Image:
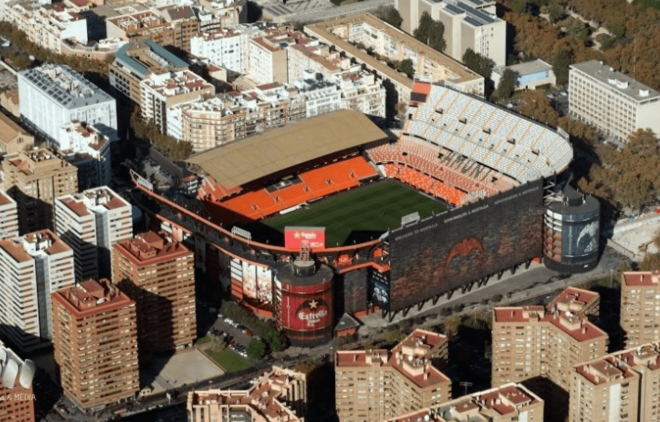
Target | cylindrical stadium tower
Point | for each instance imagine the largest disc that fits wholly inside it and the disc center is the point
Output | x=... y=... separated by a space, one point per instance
x=304 y=302
x=571 y=232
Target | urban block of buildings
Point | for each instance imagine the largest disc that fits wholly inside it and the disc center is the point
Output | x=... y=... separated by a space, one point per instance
x=34 y=179
x=529 y=75
x=212 y=122
x=33 y=267
x=16 y=392
x=345 y=34
x=13 y=138
x=92 y=222
x=163 y=90
x=135 y=61
x=640 y=307
x=51 y=96
x=88 y=150
x=158 y=273
x=507 y=403
x=532 y=341
x=95 y=344
x=277 y=396
x=375 y=385
x=613 y=102
x=469 y=24
x=621 y=386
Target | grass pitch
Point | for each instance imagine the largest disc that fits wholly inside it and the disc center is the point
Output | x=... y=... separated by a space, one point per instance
x=372 y=208
x=230 y=361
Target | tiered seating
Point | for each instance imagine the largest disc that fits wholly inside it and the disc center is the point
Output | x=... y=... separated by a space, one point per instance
x=512 y=145
x=452 y=169
x=315 y=183
x=425 y=183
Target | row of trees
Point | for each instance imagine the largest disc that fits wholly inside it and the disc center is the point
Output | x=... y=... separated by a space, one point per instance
x=478 y=63
x=629 y=178
x=431 y=32
x=147 y=131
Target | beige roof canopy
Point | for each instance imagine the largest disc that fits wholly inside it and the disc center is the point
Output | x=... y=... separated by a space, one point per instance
x=241 y=162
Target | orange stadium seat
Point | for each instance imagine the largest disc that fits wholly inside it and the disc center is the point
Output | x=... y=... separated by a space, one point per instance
x=316 y=183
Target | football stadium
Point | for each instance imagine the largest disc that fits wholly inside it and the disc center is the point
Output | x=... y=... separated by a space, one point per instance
x=333 y=216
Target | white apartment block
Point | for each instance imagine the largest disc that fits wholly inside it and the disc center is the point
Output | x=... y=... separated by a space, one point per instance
x=468 y=24
x=47 y=27
x=614 y=102
x=89 y=150
x=55 y=95
x=33 y=267
x=224 y=47
x=92 y=222
x=320 y=96
x=8 y=217
x=166 y=89
x=361 y=91
x=267 y=61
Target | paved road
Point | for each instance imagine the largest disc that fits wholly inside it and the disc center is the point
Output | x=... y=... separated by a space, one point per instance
x=332 y=12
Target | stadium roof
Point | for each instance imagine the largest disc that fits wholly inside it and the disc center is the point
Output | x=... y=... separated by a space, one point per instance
x=244 y=161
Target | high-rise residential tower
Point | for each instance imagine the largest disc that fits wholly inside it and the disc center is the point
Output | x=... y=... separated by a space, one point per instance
x=92 y=222
x=32 y=267
x=158 y=273
x=95 y=343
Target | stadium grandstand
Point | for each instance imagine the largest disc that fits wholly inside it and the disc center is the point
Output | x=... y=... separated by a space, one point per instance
x=489 y=166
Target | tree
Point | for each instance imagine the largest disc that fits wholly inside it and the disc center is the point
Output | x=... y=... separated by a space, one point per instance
x=519 y=6
x=256 y=349
x=507 y=85
x=430 y=32
x=393 y=17
x=650 y=262
x=656 y=239
x=534 y=104
x=477 y=63
x=276 y=342
x=556 y=12
x=560 y=66
x=406 y=66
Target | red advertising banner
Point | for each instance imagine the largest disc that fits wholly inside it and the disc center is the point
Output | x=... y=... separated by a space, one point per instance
x=307 y=312
x=294 y=236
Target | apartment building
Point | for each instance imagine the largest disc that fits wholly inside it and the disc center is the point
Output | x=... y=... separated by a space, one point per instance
x=34 y=179
x=184 y=22
x=509 y=402
x=228 y=117
x=135 y=61
x=165 y=89
x=640 y=307
x=47 y=25
x=615 y=103
x=13 y=138
x=92 y=222
x=345 y=34
x=315 y=57
x=226 y=47
x=141 y=26
x=33 y=266
x=17 y=397
x=8 y=217
x=95 y=344
x=533 y=341
x=374 y=385
x=621 y=386
x=469 y=24
x=277 y=396
x=268 y=59
x=159 y=274
x=55 y=95
x=88 y=150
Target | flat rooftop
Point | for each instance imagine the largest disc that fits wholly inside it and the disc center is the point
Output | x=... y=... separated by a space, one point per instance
x=617 y=81
x=526 y=68
x=460 y=73
x=65 y=86
x=238 y=163
x=642 y=278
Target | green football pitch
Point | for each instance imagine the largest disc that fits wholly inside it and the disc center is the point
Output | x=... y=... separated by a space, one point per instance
x=376 y=207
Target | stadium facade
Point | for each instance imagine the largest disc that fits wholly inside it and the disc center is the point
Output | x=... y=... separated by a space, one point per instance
x=496 y=169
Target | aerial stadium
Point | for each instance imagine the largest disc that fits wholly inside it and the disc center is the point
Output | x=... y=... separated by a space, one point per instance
x=331 y=215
